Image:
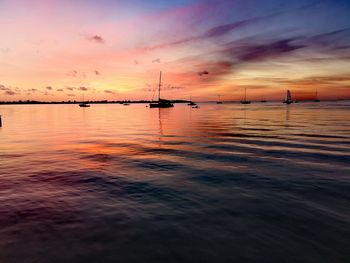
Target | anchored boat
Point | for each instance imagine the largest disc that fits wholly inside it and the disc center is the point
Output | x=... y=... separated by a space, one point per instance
x=219 y=101
x=191 y=102
x=161 y=103
x=288 y=100
x=84 y=104
x=245 y=101
x=316 y=97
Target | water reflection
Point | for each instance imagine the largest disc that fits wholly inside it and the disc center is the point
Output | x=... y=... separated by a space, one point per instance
x=287 y=113
x=222 y=183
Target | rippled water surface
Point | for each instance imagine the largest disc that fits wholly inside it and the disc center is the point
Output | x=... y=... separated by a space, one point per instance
x=223 y=183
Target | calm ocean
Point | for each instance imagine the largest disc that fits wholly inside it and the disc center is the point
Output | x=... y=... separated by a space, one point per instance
x=223 y=183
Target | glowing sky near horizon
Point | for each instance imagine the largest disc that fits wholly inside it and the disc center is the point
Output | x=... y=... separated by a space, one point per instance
x=63 y=50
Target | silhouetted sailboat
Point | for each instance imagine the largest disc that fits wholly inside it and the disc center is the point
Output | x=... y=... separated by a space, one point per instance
x=84 y=104
x=288 y=100
x=316 y=97
x=263 y=100
x=162 y=103
x=191 y=102
x=245 y=101
x=219 y=101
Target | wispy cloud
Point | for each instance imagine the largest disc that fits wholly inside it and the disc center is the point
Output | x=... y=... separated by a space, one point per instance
x=5 y=50
x=10 y=92
x=96 y=39
x=2 y=87
x=72 y=73
x=204 y=72
x=258 y=52
x=213 y=32
x=110 y=91
x=83 y=88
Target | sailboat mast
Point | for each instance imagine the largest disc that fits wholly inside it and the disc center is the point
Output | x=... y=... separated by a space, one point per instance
x=245 y=94
x=160 y=83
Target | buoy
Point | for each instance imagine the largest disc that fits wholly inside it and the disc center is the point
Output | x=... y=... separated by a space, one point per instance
x=0 y=121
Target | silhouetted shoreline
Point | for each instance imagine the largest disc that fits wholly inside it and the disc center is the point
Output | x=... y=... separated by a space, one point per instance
x=20 y=102
x=31 y=102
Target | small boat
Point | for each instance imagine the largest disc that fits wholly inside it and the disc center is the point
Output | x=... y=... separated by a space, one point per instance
x=191 y=103
x=316 y=97
x=161 y=103
x=126 y=104
x=245 y=101
x=84 y=105
x=196 y=107
x=219 y=101
x=263 y=100
x=288 y=100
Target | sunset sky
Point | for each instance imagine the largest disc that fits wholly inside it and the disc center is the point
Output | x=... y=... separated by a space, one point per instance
x=57 y=50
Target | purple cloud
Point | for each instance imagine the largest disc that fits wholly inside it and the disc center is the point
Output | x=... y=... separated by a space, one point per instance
x=263 y=51
x=5 y=50
x=204 y=72
x=213 y=32
x=96 y=39
x=10 y=92
x=72 y=73
x=109 y=91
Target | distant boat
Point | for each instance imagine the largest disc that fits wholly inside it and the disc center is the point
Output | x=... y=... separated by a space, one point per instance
x=195 y=107
x=316 y=97
x=162 y=103
x=288 y=100
x=84 y=105
x=126 y=104
x=191 y=102
x=245 y=101
x=263 y=100
x=219 y=101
